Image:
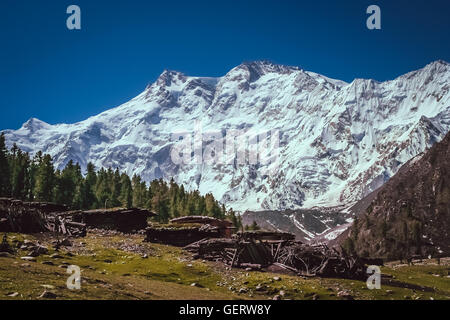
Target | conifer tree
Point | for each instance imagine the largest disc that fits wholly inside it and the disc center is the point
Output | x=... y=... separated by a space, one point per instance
x=116 y=188
x=5 y=183
x=34 y=166
x=45 y=178
x=19 y=172
x=89 y=187
x=38 y=180
x=66 y=185
x=139 y=192
x=103 y=189
x=126 y=193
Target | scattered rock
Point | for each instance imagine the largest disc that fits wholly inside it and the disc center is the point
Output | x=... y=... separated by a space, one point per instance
x=276 y=278
x=28 y=258
x=277 y=297
x=282 y=293
x=49 y=263
x=243 y=290
x=56 y=256
x=48 y=286
x=194 y=284
x=66 y=243
x=5 y=255
x=47 y=295
x=12 y=294
x=145 y=256
x=345 y=294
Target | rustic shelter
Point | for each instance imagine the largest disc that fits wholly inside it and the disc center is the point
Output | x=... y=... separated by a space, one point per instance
x=120 y=219
x=25 y=217
x=224 y=227
x=185 y=230
x=258 y=250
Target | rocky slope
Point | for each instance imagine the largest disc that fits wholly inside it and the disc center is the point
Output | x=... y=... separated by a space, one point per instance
x=410 y=215
x=338 y=141
x=306 y=224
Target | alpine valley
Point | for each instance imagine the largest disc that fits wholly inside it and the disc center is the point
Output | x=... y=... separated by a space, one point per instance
x=338 y=141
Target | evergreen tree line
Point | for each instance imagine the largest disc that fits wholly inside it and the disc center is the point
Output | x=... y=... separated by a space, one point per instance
x=35 y=179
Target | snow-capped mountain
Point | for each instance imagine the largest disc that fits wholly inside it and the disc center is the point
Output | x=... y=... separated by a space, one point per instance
x=338 y=141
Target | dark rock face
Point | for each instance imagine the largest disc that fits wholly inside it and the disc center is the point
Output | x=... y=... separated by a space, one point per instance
x=411 y=212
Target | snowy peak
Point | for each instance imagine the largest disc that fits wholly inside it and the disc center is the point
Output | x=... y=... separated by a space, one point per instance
x=33 y=125
x=169 y=78
x=256 y=69
x=425 y=74
x=438 y=65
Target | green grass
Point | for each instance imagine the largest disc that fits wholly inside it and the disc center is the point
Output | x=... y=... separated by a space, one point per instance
x=111 y=271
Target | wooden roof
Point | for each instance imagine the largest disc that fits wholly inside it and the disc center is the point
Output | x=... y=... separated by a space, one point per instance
x=202 y=220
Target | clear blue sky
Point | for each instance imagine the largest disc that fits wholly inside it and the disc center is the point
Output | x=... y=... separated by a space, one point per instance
x=57 y=75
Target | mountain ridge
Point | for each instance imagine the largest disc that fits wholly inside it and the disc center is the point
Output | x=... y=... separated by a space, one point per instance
x=338 y=141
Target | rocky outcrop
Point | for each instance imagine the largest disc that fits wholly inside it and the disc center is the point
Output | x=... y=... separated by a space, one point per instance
x=410 y=215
